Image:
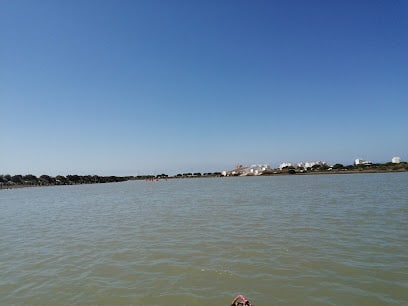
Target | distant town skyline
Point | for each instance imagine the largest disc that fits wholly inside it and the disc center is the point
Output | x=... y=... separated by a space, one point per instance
x=140 y=87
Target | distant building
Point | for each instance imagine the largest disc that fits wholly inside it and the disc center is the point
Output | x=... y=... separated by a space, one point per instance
x=245 y=171
x=396 y=160
x=306 y=165
x=359 y=161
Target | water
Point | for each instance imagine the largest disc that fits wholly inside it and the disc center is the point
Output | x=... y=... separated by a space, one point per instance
x=287 y=240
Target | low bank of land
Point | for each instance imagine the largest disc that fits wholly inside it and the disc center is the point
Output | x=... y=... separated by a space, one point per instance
x=20 y=181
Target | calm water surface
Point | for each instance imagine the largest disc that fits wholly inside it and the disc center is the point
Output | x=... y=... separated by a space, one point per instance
x=289 y=240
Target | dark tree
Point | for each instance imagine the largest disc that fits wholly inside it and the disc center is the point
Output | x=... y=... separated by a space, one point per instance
x=18 y=179
x=30 y=179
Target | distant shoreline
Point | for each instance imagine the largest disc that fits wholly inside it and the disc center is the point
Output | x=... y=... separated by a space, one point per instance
x=271 y=173
x=357 y=171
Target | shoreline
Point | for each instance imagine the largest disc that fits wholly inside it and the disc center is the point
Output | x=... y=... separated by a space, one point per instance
x=359 y=171
x=275 y=173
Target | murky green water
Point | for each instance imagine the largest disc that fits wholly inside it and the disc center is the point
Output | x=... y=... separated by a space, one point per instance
x=289 y=240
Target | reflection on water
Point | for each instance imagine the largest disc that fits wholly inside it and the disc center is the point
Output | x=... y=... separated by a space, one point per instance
x=288 y=240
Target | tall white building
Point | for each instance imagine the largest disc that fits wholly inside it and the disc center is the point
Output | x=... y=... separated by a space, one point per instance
x=396 y=160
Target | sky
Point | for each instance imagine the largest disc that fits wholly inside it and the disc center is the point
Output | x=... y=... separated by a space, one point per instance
x=150 y=87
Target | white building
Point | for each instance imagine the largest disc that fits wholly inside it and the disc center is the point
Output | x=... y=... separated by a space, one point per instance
x=254 y=170
x=306 y=165
x=396 y=160
x=251 y=170
x=360 y=161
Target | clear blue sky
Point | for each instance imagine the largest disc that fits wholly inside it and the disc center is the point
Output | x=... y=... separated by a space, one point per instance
x=145 y=87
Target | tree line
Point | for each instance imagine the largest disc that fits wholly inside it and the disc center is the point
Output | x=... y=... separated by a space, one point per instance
x=46 y=180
